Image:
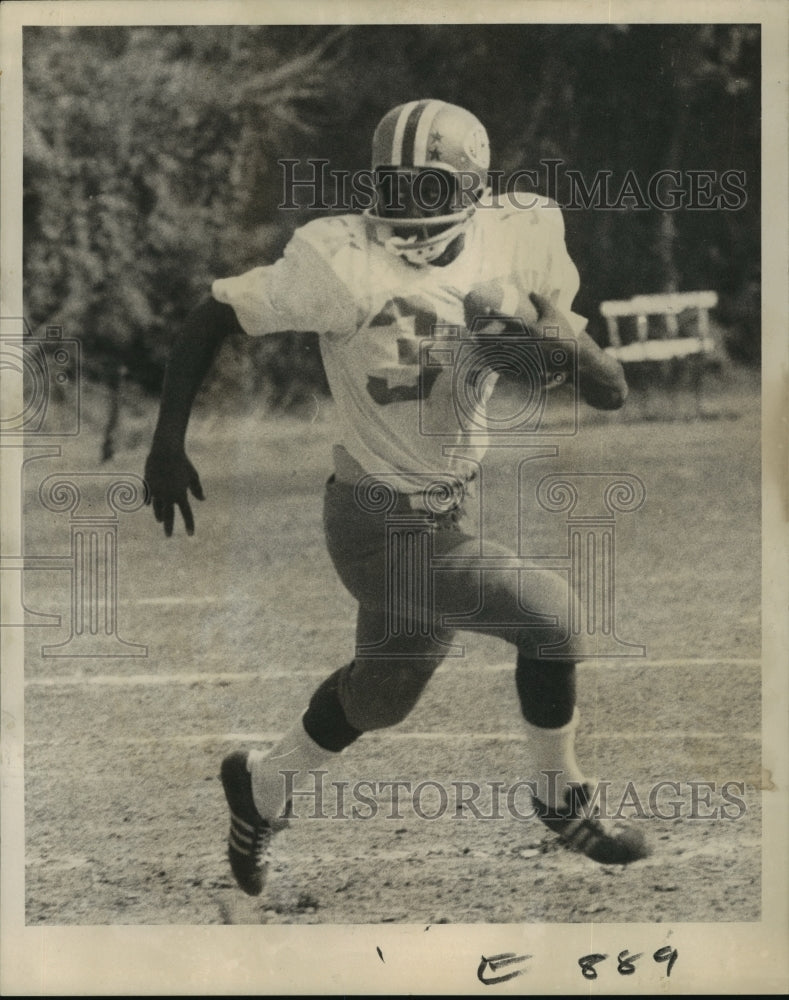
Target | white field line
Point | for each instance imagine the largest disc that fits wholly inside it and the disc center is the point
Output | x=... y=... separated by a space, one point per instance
x=219 y=602
x=197 y=739
x=558 y=859
x=163 y=678
x=167 y=602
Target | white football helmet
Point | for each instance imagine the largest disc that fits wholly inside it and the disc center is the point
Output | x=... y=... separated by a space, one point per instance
x=430 y=160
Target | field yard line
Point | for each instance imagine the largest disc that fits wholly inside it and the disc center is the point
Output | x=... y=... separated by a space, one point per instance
x=560 y=858
x=670 y=861
x=194 y=599
x=124 y=680
x=168 y=601
x=131 y=680
x=438 y=737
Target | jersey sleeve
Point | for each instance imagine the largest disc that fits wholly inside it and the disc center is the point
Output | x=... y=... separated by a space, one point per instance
x=560 y=280
x=301 y=292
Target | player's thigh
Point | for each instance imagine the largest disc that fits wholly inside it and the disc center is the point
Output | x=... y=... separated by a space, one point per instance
x=394 y=660
x=399 y=640
x=528 y=608
x=356 y=542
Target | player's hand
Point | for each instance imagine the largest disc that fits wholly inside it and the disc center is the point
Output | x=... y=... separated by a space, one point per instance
x=168 y=475
x=550 y=320
x=601 y=378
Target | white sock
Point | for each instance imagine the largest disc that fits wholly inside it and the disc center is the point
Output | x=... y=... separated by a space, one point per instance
x=295 y=751
x=553 y=754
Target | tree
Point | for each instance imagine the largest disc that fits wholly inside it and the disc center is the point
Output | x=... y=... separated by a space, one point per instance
x=141 y=171
x=151 y=162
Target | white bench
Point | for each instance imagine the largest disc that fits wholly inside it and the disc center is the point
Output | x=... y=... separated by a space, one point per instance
x=672 y=334
x=664 y=343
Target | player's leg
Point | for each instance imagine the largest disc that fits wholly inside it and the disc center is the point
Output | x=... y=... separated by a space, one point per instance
x=378 y=688
x=394 y=658
x=257 y=783
x=370 y=692
x=527 y=609
x=390 y=670
x=530 y=611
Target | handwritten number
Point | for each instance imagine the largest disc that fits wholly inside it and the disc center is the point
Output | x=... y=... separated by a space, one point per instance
x=668 y=955
x=588 y=963
x=625 y=965
x=626 y=962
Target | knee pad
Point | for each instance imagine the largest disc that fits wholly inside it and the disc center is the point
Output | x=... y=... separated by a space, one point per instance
x=325 y=720
x=546 y=690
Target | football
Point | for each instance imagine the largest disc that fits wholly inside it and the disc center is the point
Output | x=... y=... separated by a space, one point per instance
x=488 y=307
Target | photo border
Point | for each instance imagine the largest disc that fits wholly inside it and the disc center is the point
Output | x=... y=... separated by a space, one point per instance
x=335 y=959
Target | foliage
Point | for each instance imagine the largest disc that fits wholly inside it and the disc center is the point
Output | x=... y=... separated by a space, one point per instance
x=151 y=162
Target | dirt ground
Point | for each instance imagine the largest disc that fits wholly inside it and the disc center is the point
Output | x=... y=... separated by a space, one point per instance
x=125 y=820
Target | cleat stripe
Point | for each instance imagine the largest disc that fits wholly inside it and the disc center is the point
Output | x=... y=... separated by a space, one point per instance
x=241 y=835
x=241 y=822
x=239 y=848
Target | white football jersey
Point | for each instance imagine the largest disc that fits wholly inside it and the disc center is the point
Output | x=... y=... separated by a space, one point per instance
x=400 y=363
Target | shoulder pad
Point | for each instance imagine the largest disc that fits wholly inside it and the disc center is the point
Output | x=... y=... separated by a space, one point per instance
x=527 y=209
x=330 y=235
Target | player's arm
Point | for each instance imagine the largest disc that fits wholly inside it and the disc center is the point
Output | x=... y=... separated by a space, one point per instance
x=297 y=292
x=601 y=376
x=168 y=472
x=492 y=315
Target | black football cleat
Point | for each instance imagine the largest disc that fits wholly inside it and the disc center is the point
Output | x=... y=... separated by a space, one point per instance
x=607 y=841
x=250 y=835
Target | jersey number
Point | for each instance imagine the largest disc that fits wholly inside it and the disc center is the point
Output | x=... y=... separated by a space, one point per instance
x=425 y=319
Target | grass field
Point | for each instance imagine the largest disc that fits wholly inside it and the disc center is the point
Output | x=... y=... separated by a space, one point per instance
x=125 y=818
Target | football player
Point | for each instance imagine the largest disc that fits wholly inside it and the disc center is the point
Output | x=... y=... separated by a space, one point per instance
x=436 y=256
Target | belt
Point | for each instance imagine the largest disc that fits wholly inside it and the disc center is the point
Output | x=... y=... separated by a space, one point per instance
x=441 y=496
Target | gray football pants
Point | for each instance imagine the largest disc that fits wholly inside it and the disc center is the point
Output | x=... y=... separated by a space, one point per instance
x=408 y=607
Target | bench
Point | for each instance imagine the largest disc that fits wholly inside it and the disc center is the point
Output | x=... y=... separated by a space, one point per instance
x=666 y=333
x=665 y=342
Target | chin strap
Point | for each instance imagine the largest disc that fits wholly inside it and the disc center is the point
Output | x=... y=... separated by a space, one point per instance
x=412 y=248
x=417 y=251
x=423 y=251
